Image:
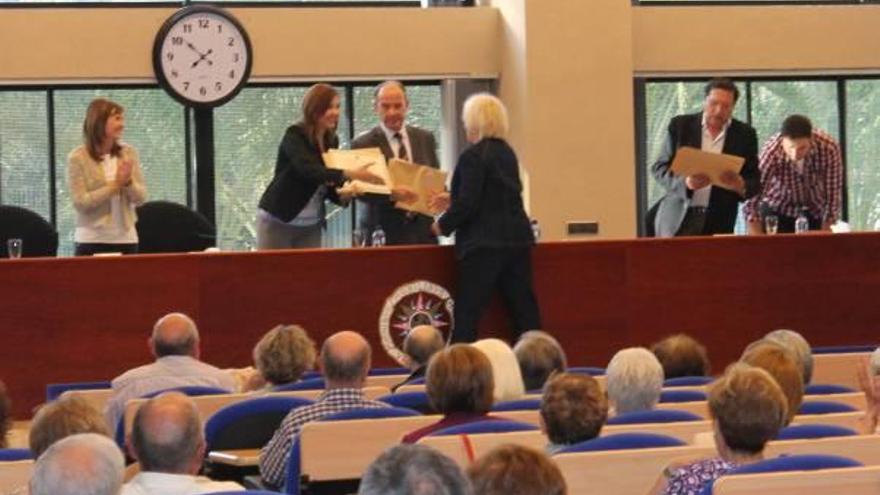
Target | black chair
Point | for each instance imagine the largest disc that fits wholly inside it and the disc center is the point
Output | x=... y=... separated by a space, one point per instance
x=39 y=237
x=167 y=227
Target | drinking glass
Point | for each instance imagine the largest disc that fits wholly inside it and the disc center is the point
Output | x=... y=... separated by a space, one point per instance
x=771 y=224
x=13 y=248
x=358 y=238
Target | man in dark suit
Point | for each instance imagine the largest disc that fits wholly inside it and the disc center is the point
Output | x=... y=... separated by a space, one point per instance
x=396 y=140
x=693 y=206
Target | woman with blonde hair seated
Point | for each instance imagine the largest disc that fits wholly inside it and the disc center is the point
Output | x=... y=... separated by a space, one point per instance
x=505 y=369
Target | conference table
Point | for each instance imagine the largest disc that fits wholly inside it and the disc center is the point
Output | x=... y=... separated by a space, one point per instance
x=86 y=319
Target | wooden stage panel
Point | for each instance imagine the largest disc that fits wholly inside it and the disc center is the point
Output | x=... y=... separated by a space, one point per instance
x=88 y=319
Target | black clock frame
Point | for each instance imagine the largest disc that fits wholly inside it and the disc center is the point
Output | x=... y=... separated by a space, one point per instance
x=188 y=11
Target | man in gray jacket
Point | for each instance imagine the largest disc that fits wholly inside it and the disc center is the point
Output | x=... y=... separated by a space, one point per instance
x=396 y=140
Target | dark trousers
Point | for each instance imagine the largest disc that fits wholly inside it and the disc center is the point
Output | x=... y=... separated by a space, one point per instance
x=694 y=222
x=90 y=248
x=480 y=273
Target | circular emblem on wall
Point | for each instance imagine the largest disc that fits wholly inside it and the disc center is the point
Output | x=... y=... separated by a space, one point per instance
x=412 y=304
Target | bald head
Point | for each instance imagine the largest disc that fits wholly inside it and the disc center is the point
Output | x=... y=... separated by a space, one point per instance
x=82 y=464
x=345 y=360
x=421 y=343
x=391 y=104
x=175 y=334
x=167 y=435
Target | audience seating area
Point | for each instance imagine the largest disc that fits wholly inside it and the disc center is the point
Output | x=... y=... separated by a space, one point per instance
x=627 y=457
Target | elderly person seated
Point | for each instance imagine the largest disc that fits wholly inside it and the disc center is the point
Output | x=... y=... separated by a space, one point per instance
x=633 y=380
x=281 y=356
x=573 y=410
x=798 y=346
x=61 y=418
x=539 y=356
x=419 y=345
x=516 y=470
x=414 y=469
x=459 y=385
x=748 y=409
x=505 y=369
x=85 y=463
x=783 y=367
x=681 y=355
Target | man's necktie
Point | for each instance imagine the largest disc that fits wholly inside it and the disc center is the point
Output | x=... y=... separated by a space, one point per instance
x=402 y=155
x=401 y=149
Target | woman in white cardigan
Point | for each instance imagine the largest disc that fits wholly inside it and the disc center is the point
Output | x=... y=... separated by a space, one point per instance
x=106 y=183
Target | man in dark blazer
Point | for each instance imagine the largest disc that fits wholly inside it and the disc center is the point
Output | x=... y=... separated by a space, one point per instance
x=396 y=140
x=692 y=206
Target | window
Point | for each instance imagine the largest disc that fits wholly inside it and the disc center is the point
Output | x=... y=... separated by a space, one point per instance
x=846 y=108
x=24 y=151
x=37 y=123
x=154 y=125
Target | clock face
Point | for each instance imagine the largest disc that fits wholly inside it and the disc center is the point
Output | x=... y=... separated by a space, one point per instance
x=202 y=56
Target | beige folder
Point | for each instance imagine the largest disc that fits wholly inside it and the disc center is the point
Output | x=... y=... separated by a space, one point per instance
x=691 y=161
x=352 y=159
x=425 y=181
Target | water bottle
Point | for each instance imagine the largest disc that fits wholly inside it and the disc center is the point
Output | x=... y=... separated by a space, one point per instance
x=536 y=230
x=802 y=224
x=378 y=237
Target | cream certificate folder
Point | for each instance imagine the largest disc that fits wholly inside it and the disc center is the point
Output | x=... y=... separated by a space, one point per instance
x=691 y=161
x=352 y=159
x=425 y=181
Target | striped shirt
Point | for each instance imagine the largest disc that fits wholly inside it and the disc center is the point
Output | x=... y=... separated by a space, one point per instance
x=274 y=456
x=787 y=187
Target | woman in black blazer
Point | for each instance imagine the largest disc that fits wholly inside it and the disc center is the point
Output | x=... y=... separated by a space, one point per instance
x=493 y=235
x=291 y=212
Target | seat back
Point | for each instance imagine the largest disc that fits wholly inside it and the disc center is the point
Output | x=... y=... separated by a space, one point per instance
x=15 y=475
x=517 y=405
x=624 y=441
x=798 y=462
x=851 y=481
x=366 y=431
x=687 y=381
x=824 y=407
x=621 y=472
x=827 y=388
x=696 y=407
x=54 y=390
x=168 y=227
x=653 y=416
x=7 y=455
x=862 y=448
x=668 y=396
x=464 y=449
x=586 y=370
x=248 y=424
x=838 y=368
x=486 y=426
x=796 y=432
x=417 y=400
x=316 y=383
x=39 y=237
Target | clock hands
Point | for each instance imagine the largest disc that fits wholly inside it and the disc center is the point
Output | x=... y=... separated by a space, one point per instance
x=202 y=56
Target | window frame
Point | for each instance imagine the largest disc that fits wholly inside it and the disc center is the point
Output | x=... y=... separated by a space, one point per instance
x=641 y=124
